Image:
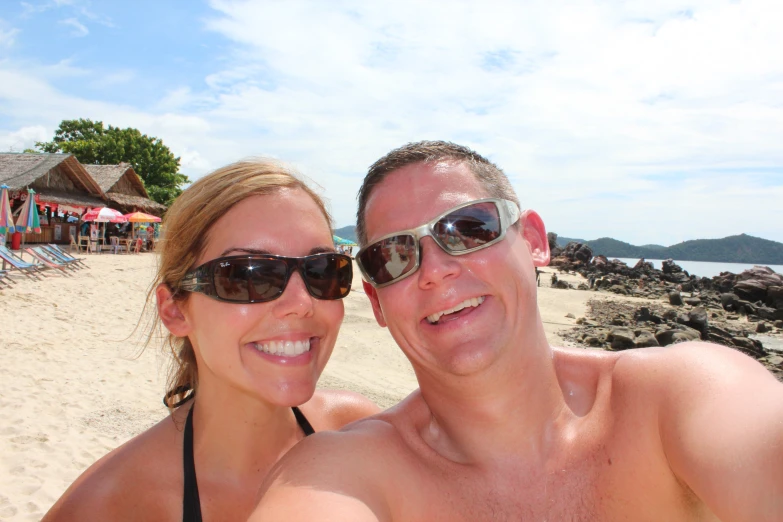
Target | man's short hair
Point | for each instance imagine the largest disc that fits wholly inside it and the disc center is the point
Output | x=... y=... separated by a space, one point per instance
x=489 y=175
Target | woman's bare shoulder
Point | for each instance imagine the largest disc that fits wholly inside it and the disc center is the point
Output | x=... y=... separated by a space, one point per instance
x=140 y=480
x=333 y=409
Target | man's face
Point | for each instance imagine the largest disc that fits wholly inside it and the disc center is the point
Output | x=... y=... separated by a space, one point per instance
x=501 y=277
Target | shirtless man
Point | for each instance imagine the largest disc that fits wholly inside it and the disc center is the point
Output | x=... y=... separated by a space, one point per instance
x=505 y=427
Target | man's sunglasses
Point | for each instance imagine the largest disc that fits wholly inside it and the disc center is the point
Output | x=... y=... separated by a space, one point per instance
x=460 y=230
x=262 y=278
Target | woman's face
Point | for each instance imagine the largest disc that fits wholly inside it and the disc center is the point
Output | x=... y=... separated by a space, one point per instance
x=232 y=341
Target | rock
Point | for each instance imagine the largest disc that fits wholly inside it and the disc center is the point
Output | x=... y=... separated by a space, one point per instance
x=673 y=336
x=697 y=319
x=749 y=346
x=583 y=286
x=675 y=298
x=645 y=339
x=729 y=301
x=570 y=316
x=591 y=340
x=561 y=284
x=778 y=324
x=751 y=290
x=775 y=360
x=750 y=308
x=670 y=267
x=732 y=317
x=552 y=240
x=643 y=314
x=769 y=313
x=762 y=327
x=584 y=254
x=621 y=338
x=775 y=296
x=618 y=289
x=692 y=301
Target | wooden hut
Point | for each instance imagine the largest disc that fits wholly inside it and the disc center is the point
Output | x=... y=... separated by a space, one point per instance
x=124 y=189
x=61 y=184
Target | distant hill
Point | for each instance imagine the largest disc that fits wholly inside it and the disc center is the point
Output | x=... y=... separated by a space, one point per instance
x=733 y=249
x=348 y=232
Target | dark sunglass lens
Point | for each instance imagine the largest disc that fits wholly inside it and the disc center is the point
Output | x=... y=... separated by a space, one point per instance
x=328 y=276
x=469 y=227
x=389 y=258
x=267 y=278
x=246 y=280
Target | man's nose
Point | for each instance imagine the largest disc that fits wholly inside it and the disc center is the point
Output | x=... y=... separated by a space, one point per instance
x=435 y=265
x=295 y=301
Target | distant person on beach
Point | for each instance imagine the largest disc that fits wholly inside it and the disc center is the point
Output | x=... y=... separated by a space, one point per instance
x=250 y=291
x=504 y=426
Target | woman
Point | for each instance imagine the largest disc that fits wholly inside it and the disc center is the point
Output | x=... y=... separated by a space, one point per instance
x=249 y=287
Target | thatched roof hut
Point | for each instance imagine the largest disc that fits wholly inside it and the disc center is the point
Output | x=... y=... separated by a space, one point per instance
x=124 y=188
x=56 y=178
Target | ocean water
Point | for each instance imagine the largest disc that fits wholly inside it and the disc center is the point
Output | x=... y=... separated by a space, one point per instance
x=704 y=268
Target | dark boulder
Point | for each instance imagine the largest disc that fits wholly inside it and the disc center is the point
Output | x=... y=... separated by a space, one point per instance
x=678 y=335
x=771 y=314
x=645 y=339
x=751 y=290
x=692 y=301
x=762 y=327
x=670 y=267
x=621 y=338
x=697 y=319
x=729 y=301
x=675 y=298
x=584 y=254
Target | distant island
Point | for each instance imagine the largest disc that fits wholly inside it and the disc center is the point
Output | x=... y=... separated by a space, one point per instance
x=733 y=249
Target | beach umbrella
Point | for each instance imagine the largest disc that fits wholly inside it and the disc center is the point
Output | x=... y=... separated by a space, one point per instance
x=28 y=220
x=141 y=217
x=340 y=241
x=6 y=219
x=104 y=215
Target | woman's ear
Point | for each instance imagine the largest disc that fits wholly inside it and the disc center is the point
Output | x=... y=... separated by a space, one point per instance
x=534 y=232
x=170 y=311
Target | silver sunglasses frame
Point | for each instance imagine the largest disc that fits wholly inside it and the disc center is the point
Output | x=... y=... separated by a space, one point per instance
x=509 y=214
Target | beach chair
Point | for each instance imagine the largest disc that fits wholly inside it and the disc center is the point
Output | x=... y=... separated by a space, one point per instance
x=73 y=244
x=61 y=257
x=6 y=280
x=116 y=246
x=47 y=260
x=29 y=270
x=67 y=255
x=84 y=242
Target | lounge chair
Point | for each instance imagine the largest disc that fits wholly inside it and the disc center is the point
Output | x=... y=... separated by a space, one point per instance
x=6 y=280
x=29 y=270
x=59 y=253
x=39 y=254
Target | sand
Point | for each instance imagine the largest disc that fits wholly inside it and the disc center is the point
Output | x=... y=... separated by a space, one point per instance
x=72 y=386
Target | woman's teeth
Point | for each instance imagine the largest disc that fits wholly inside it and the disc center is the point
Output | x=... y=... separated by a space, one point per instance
x=284 y=348
x=473 y=302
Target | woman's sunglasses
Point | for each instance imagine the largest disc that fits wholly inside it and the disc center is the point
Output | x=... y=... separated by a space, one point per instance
x=262 y=278
x=460 y=230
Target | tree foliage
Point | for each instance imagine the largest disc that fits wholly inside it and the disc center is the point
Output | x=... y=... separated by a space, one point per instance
x=92 y=143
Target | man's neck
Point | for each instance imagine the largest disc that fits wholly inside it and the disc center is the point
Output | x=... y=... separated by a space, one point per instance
x=511 y=408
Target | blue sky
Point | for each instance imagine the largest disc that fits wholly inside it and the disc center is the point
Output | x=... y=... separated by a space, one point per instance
x=651 y=122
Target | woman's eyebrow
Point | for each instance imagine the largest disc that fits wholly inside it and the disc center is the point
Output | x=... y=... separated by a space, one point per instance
x=261 y=252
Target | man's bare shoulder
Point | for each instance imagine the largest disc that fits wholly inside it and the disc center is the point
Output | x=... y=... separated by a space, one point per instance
x=132 y=482
x=352 y=463
x=333 y=409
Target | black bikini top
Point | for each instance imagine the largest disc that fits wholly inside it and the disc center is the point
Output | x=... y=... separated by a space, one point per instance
x=191 y=505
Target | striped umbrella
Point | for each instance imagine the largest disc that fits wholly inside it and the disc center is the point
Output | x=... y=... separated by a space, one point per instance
x=6 y=219
x=141 y=217
x=28 y=216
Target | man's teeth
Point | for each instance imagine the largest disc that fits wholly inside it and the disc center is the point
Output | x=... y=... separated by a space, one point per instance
x=475 y=301
x=284 y=348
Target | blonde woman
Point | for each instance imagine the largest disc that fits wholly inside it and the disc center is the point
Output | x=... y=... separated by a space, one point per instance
x=249 y=286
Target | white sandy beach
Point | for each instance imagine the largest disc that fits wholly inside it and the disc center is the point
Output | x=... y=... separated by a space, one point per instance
x=72 y=388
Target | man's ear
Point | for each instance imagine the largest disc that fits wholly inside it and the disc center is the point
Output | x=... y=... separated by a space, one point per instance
x=372 y=293
x=534 y=232
x=170 y=312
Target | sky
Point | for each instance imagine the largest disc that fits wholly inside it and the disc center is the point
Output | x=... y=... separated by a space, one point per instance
x=650 y=122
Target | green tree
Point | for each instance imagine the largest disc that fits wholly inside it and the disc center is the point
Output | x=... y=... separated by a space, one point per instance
x=92 y=143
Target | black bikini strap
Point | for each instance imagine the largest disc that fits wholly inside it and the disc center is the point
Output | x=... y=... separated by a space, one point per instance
x=303 y=422
x=191 y=504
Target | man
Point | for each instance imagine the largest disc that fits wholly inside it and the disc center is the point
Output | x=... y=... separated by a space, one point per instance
x=505 y=427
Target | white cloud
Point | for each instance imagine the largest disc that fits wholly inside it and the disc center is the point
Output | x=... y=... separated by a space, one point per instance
x=79 y=29
x=652 y=122
x=24 y=138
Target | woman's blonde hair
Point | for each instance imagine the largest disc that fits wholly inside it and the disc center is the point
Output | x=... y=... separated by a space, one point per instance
x=187 y=226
